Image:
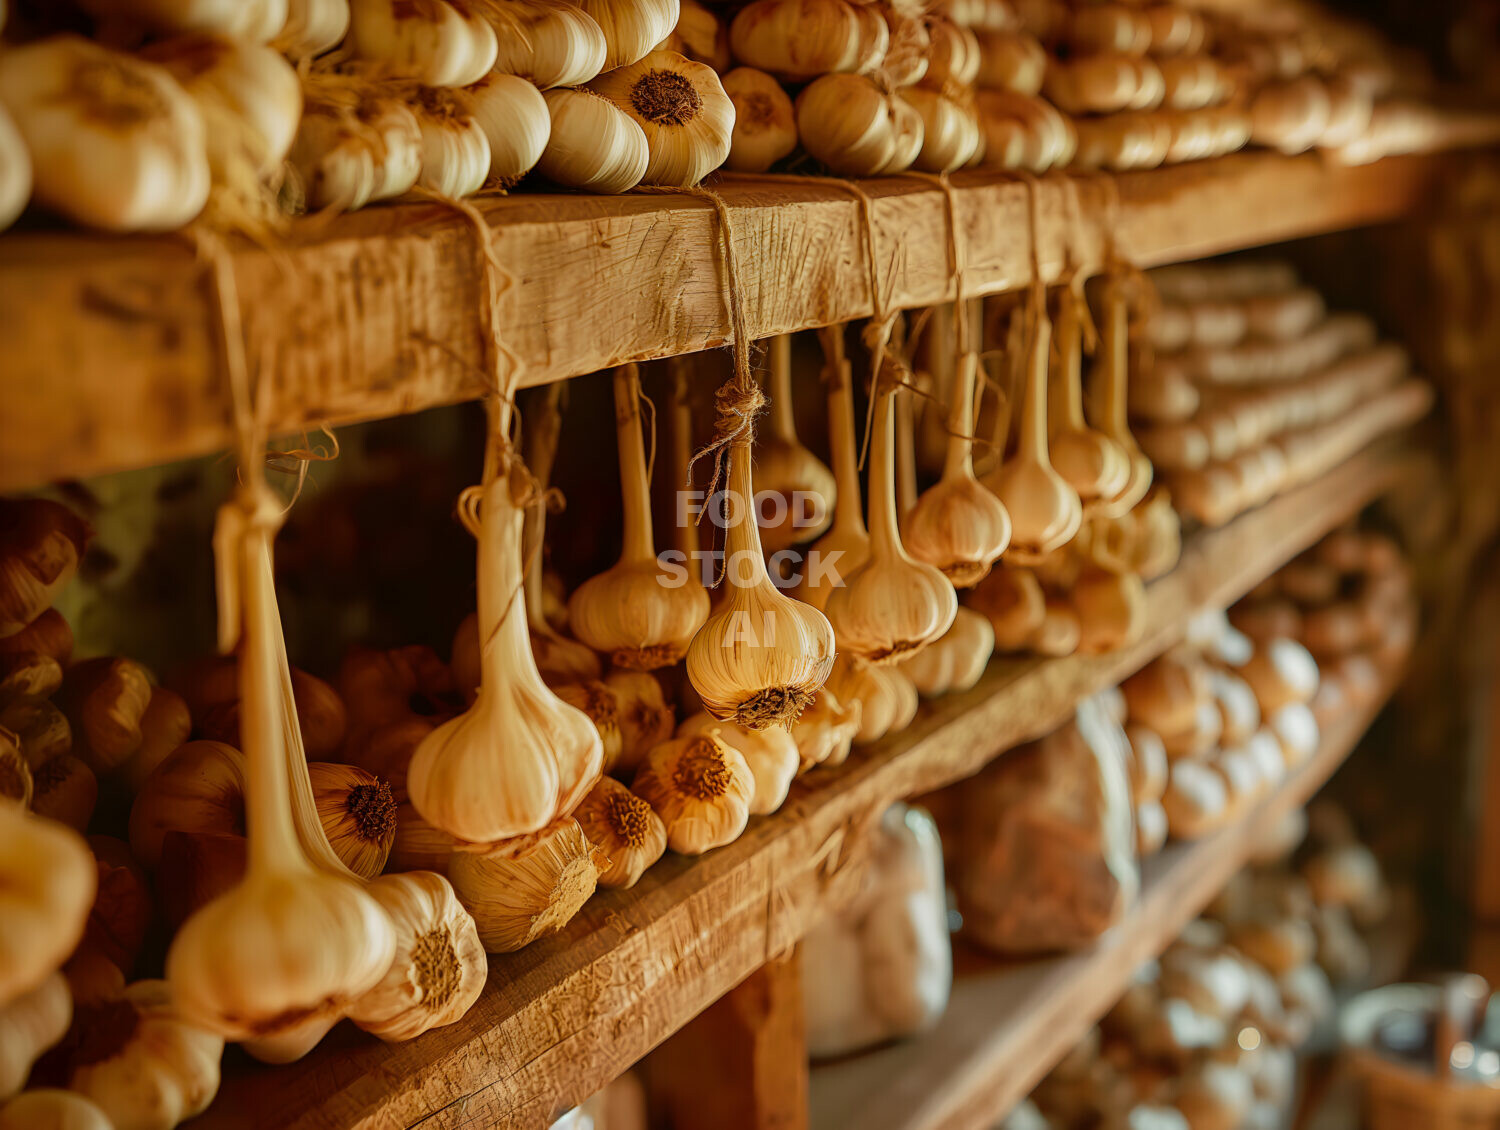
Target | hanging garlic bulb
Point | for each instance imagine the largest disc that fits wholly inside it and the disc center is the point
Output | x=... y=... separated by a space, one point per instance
x=880 y=695
x=1111 y=610
x=771 y=755
x=115 y=143
x=959 y=525
x=798 y=40
x=850 y=124
x=433 y=42
x=1089 y=461
x=312 y=27
x=15 y=169
x=785 y=468
x=593 y=144
x=277 y=959
x=846 y=546
x=825 y=732
x=956 y=660
x=701 y=788
x=253 y=20
x=765 y=124
x=455 y=148
x=440 y=966
x=548 y=44
x=513 y=115
x=951 y=137
x=892 y=606
x=1012 y=601
x=47 y=885
x=526 y=887
x=632 y=28
x=1111 y=397
x=683 y=111
x=633 y=612
x=625 y=828
x=1045 y=512
x=518 y=758
x=760 y=656
x=249 y=96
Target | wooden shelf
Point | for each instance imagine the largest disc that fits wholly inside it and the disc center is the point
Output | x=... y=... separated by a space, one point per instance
x=569 y=1013
x=112 y=357
x=1007 y=1025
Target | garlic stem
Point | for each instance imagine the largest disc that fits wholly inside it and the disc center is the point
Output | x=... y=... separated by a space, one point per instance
x=541 y=453
x=742 y=538
x=1032 y=439
x=1115 y=353
x=682 y=453
x=906 y=454
x=848 y=516
x=639 y=545
x=503 y=637
x=885 y=536
x=783 y=425
x=958 y=459
x=1066 y=393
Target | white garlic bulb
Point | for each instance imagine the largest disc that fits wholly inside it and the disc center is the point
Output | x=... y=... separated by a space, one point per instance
x=632 y=28
x=253 y=20
x=15 y=171
x=799 y=40
x=513 y=115
x=593 y=144
x=312 y=27
x=950 y=131
x=455 y=149
x=849 y=124
x=546 y=43
x=428 y=41
x=683 y=111
x=765 y=125
x=115 y=142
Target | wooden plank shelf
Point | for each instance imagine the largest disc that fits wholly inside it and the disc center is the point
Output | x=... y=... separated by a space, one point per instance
x=569 y=1013
x=112 y=358
x=1008 y=1023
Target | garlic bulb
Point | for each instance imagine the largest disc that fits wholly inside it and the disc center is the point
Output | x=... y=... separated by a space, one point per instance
x=65 y=789
x=956 y=660
x=105 y=700
x=1111 y=610
x=29 y=1025
x=165 y=725
x=825 y=732
x=839 y=553
x=253 y=20
x=959 y=525
x=352 y=149
x=519 y=758
x=49 y=1109
x=625 y=828
x=199 y=788
x=593 y=145
x=249 y=96
x=802 y=489
x=602 y=706
x=527 y=887
x=15 y=169
x=632 y=28
x=1112 y=398
x=41 y=544
x=797 y=40
x=419 y=846
x=546 y=43
x=47 y=885
x=358 y=815
x=1045 y=512
x=771 y=755
x=765 y=125
x=15 y=774
x=683 y=111
x=1012 y=601
x=892 y=606
x=760 y=656
x=644 y=717
x=433 y=42
x=887 y=699
x=42 y=729
x=1089 y=461
x=954 y=57
x=48 y=635
x=1011 y=60
x=513 y=115
x=312 y=27
x=440 y=967
x=951 y=137
x=699 y=35
x=455 y=148
x=633 y=612
x=905 y=61
x=114 y=142
x=851 y=125
x=278 y=958
x=141 y=1062
x=701 y=788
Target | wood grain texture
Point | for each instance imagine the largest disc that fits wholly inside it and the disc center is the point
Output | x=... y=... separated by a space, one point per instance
x=112 y=346
x=569 y=1013
x=1008 y=1024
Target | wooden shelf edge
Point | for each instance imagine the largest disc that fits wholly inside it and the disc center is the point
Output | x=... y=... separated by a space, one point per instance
x=1006 y=1028
x=569 y=1013
x=113 y=358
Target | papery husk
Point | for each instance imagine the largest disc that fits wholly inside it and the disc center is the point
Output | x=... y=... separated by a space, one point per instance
x=41 y=543
x=522 y=889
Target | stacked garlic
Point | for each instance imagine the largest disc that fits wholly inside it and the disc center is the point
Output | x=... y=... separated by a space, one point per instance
x=1256 y=389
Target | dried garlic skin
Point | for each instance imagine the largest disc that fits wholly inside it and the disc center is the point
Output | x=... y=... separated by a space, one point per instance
x=41 y=543
x=199 y=788
x=440 y=965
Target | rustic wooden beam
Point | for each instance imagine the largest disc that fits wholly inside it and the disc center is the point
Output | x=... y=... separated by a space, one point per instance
x=111 y=356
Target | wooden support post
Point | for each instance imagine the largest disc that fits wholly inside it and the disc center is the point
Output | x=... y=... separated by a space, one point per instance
x=741 y=1064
